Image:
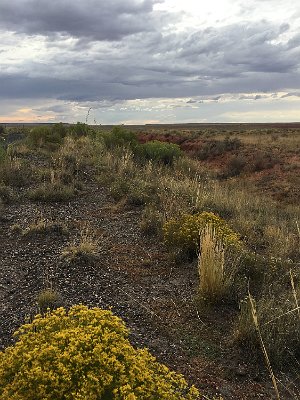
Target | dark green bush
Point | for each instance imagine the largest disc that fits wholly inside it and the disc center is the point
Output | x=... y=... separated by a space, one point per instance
x=162 y=152
x=45 y=137
x=80 y=129
x=152 y=221
x=119 y=137
x=232 y=143
x=59 y=129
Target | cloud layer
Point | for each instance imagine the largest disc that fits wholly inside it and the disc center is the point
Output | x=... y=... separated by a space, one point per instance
x=102 y=53
x=91 y=19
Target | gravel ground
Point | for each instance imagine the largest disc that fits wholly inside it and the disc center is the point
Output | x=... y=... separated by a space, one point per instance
x=131 y=274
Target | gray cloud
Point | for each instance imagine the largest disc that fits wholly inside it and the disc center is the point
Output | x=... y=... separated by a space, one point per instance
x=125 y=49
x=92 y=19
x=240 y=48
x=292 y=94
x=58 y=108
x=191 y=101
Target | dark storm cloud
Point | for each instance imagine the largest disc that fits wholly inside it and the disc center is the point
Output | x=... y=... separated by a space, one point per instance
x=92 y=19
x=239 y=58
x=17 y=87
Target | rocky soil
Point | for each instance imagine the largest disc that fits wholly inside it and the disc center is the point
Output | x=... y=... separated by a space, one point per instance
x=132 y=274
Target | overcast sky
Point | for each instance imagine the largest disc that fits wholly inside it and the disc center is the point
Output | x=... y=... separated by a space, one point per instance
x=149 y=61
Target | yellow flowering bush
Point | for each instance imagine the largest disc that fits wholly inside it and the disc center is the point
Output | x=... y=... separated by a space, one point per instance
x=83 y=354
x=184 y=233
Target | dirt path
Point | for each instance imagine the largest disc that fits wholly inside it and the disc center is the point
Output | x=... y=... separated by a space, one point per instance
x=133 y=275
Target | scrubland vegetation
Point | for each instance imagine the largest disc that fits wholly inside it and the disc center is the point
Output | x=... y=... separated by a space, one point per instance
x=199 y=201
x=84 y=354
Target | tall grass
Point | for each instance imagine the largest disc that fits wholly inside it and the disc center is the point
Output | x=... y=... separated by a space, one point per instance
x=263 y=347
x=211 y=266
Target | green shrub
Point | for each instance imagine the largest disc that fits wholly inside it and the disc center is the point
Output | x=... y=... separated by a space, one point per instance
x=84 y=250
x=119 y=189
x=162 y=152
x=184 y=233
x=60 y=129
x=119 y=137
x=45 y=137
x=232 y=143
x=246 y=334
x=79 y=129
x=43 y=226
x=84 y=354
x=136 y=192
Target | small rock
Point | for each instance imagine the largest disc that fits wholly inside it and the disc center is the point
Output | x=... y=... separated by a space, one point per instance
x=225 y=392
x=241 y=370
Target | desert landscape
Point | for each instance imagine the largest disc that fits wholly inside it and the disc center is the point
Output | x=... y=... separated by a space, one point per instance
x=189 y=233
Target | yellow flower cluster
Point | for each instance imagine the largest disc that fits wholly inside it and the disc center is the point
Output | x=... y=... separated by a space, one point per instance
x=84 y=354
x=184 y=233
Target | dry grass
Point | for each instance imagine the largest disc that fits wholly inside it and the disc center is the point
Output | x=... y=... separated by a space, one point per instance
x=16 y=173
x=277 y=315
x=211 y=266
x=44 y=225
x=86 y=247
x=48 y=300
x=263 y=347
x=54 y=192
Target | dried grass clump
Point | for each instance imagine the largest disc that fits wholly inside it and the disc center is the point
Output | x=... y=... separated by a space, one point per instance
x=212 y=286
x=86 y=248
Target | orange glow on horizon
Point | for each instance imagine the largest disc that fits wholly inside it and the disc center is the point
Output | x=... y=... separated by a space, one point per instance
x=29 y=118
